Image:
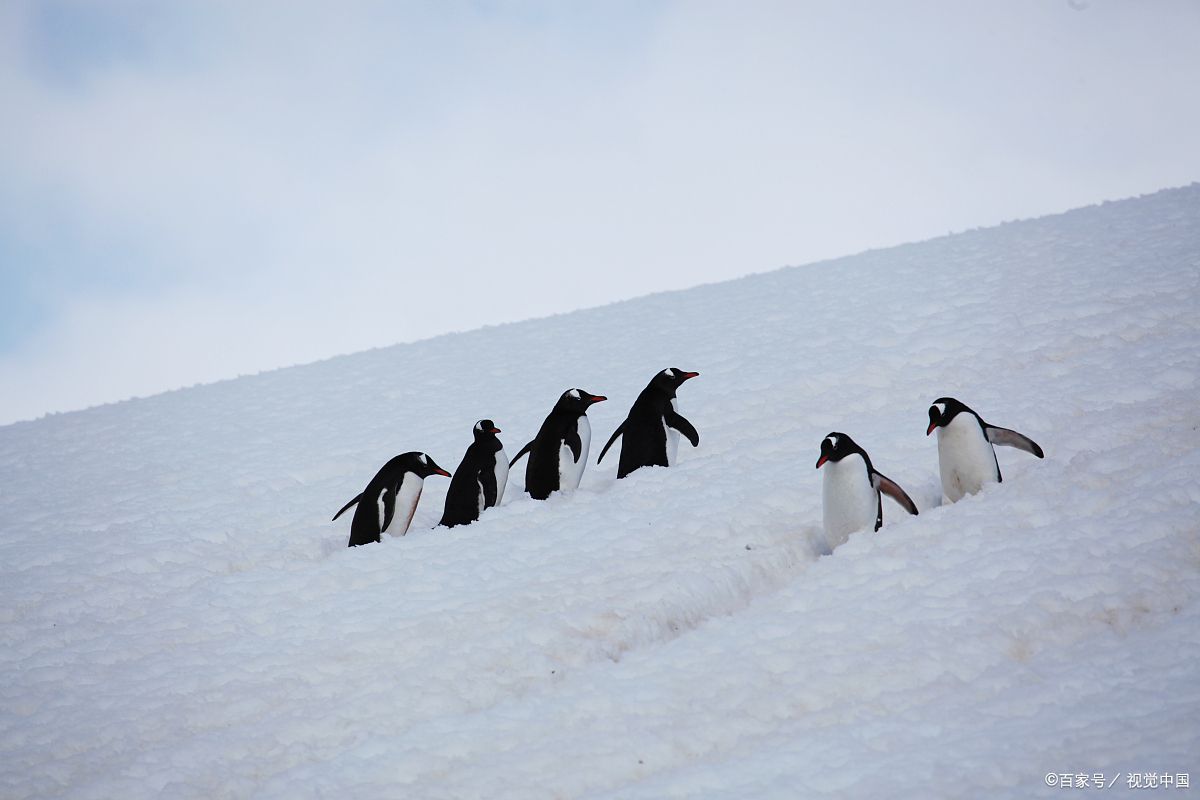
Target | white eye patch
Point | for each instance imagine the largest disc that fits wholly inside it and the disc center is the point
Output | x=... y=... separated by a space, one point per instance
x=941 y=407
x=479 y=425
x=670 y=373
x=574 y=393
x=423 y=459
x=832 y=441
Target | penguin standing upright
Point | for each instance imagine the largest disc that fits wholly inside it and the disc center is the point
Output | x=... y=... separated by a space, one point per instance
x=651 y=431
x=392 y=494
x=479 y=481
x=559 y=452
x=966 y=458
x=851 y=496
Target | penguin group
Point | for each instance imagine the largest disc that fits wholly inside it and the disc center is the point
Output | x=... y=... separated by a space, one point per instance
x=852 y=492
x=852 y=488
x=557 y=458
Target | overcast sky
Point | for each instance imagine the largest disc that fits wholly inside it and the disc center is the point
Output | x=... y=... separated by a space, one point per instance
x=193 y=191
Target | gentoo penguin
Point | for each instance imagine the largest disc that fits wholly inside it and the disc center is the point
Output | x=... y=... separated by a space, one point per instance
x=479 y=481
x=966 y=457
x=851 y=498
x=558 y=455
x=653 y=426
x=392 y=493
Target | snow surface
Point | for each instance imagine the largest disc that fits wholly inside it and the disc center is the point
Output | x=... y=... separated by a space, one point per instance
x=181 y=619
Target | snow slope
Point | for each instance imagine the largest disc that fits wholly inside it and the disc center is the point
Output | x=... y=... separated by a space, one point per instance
x=181 y=619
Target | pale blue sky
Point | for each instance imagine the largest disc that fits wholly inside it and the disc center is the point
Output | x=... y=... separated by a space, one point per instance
x=191 y=191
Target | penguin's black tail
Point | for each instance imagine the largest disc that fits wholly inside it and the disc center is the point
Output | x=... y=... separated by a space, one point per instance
x=352 y=502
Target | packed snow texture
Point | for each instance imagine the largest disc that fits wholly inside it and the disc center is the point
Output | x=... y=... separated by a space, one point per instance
x=181 y=619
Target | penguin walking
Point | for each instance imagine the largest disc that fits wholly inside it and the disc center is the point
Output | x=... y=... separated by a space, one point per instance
x=479 y=481
x=653 y=426
x=966 y=458
x=559 y=452
x=392 y=494
x=851 y=498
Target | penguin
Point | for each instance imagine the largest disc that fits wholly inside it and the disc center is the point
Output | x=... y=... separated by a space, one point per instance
x=393 y=492
x=653 y=426
x=479 y=481
x=966 y=457
x=558 y=455
x=851 y=497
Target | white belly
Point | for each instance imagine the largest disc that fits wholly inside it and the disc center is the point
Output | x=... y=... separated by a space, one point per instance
x=850 y=502
x=966 y=459
x=570 y=472
x=406 y=504
x=672 y=437
x=501 y=474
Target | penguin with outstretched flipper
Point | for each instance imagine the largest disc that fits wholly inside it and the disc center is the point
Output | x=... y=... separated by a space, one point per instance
x=852 y=490
x=966 y=457
x=651 y=431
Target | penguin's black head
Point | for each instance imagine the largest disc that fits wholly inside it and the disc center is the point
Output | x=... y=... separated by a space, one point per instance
x=837 y=446
x=671 y=379
x=421 y=465
x=942 y=411
x=485 y=429
x=577 y=401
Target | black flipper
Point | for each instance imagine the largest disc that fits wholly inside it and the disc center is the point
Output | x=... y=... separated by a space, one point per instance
x=487 y=482
x=574 y=442
x=620 y=429
x=892 y=489
x=679 y=423
x=352 y=502
x=524 y=450
x=1004 y=436
x=389 y=507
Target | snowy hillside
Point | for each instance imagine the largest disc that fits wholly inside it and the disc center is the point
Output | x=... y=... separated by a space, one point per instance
x=181 y=619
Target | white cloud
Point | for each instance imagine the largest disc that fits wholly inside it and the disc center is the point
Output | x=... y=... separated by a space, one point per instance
x=260 y=185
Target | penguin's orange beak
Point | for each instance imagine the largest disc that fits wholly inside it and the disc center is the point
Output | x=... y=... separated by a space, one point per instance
x=598 y=399
x=821 y=461
x=494 y=430
x=932 y=425
x=443 y=472
x=691 y=374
